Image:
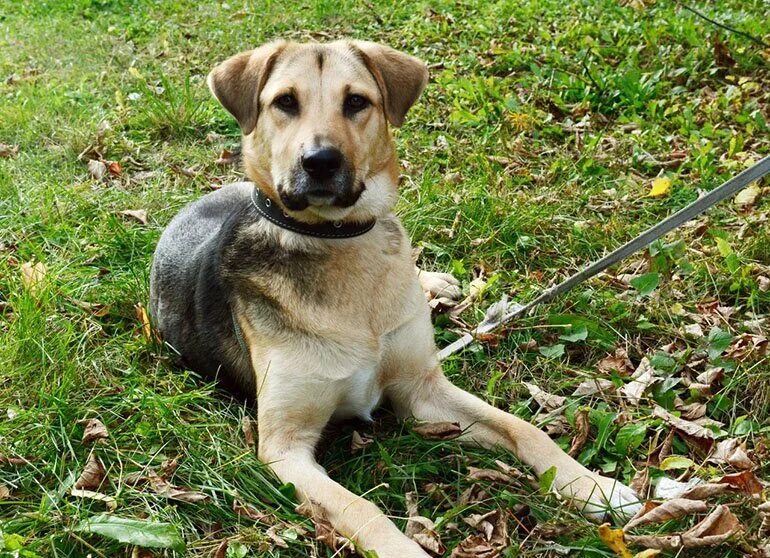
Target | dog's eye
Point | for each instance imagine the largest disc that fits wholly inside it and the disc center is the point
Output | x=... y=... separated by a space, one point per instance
x=287 y=103
x=355 y=103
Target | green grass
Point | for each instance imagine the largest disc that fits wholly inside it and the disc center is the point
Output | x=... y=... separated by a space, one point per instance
x=556 y=115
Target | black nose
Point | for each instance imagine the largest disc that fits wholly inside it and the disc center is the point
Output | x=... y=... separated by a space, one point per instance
x=322 y=163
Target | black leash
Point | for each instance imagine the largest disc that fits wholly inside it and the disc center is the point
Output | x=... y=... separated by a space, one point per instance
x=503 y=311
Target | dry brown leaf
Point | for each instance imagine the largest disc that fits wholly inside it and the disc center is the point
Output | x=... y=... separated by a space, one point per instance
x=763 y=283
x=272 y=534
x=5 y=494
x=747 y=346
x=488 y=475
x=94 y=430
x=97 y=309
x=705 y=491
x=591 y=387
x=247 y=427
x=745 y=481
x=716 y=529
x=114 y=168
x=4 y=459
x=438 y=430
x=494 y=538
x=109 y=501
x=643 y=377
x=324 y=532
x=164 y=488
x=93 y=474
x=227 y=157
x=421 y=529
x=691 y=411
x=619 y=362
x=33 y=275
x=582 y=427
x=686 y=426
x=247 y=510
x=731 y=451
x=668 y=510
x=8 y=150
x=97 y=169
x=548 y=401
x=359 y=442
x=138 y=215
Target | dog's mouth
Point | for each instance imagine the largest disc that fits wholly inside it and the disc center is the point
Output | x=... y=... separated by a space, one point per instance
x=300 y=191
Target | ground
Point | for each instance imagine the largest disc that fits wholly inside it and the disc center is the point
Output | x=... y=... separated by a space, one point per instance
x=533 y=151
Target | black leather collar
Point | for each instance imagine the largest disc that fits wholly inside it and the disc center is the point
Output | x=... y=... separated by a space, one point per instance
x=270 y=211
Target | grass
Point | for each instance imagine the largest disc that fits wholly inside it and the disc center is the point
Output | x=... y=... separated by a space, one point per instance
x=529 y=155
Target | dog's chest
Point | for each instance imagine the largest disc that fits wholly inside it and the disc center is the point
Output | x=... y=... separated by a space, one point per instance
x=361 y=394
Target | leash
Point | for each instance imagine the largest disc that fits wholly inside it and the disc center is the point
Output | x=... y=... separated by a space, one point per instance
x=503 y=311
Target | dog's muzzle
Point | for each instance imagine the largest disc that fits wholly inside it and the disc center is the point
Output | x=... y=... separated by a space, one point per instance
x=321 y=178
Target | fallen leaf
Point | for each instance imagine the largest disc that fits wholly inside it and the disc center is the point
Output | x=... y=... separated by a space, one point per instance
x=722 y=56
x=139 y=215
x=614 y=540
x=272 y=534
x=94 y=430
x=97 y=169
x=227 y=157
x=732 y=452
x=694 y=330
x=493 y=527
x=5 y=494
x=438 y=430
x=676 y=462
x=747 y=197
x=14 y=460
x=666 y=488
x=164 y=488
x=109 y=501
x=661 y=186
x=114 y=168
x=649 y=553
x=324 y=532
x=704 y=491
x=490 y=475
x=359 y=442
x=642 y=378
x=247 y=510
x=719 y=526
x=546 y=400
x=421 y=529
x=686 y=426
x=148 y=332
x=763 y=283
x=8 y=150
x=745 y=481
x=93 y=474
x=247 y=427
x=32 y=275
x=582 y=426
x=591 y=387
x=668 y=510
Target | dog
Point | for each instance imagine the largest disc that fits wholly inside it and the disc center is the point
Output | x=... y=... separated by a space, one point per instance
x=298 y=288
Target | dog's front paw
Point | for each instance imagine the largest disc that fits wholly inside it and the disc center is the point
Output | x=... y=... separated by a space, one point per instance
x=439 y=285
x=600 y=498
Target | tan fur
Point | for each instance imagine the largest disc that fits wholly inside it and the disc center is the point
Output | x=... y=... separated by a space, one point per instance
x=369 y=337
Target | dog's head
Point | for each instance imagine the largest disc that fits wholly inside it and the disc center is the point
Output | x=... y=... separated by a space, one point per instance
x=314 y=119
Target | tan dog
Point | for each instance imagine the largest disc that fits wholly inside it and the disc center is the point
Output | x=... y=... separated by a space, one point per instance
x=257 y=288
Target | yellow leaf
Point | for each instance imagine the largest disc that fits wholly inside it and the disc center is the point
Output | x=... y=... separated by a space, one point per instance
x=748 y=196
x=136 y=73
x=613 y=538
x=661 y=186
x=647 y=553
x=32 y=275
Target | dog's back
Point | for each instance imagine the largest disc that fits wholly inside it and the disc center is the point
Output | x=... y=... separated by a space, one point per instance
x=187 y=298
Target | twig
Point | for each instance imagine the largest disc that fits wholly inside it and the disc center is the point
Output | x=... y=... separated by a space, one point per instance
x=726 y=27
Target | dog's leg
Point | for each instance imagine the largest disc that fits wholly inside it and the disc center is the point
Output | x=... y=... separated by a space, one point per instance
x=293 y=406
x=418 y=388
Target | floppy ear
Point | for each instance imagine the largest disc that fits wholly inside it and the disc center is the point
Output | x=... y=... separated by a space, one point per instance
x=400 y=77
x=237 y=82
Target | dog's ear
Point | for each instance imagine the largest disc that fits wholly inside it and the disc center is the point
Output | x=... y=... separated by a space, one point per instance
x=238 y=81
x=400 y=77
